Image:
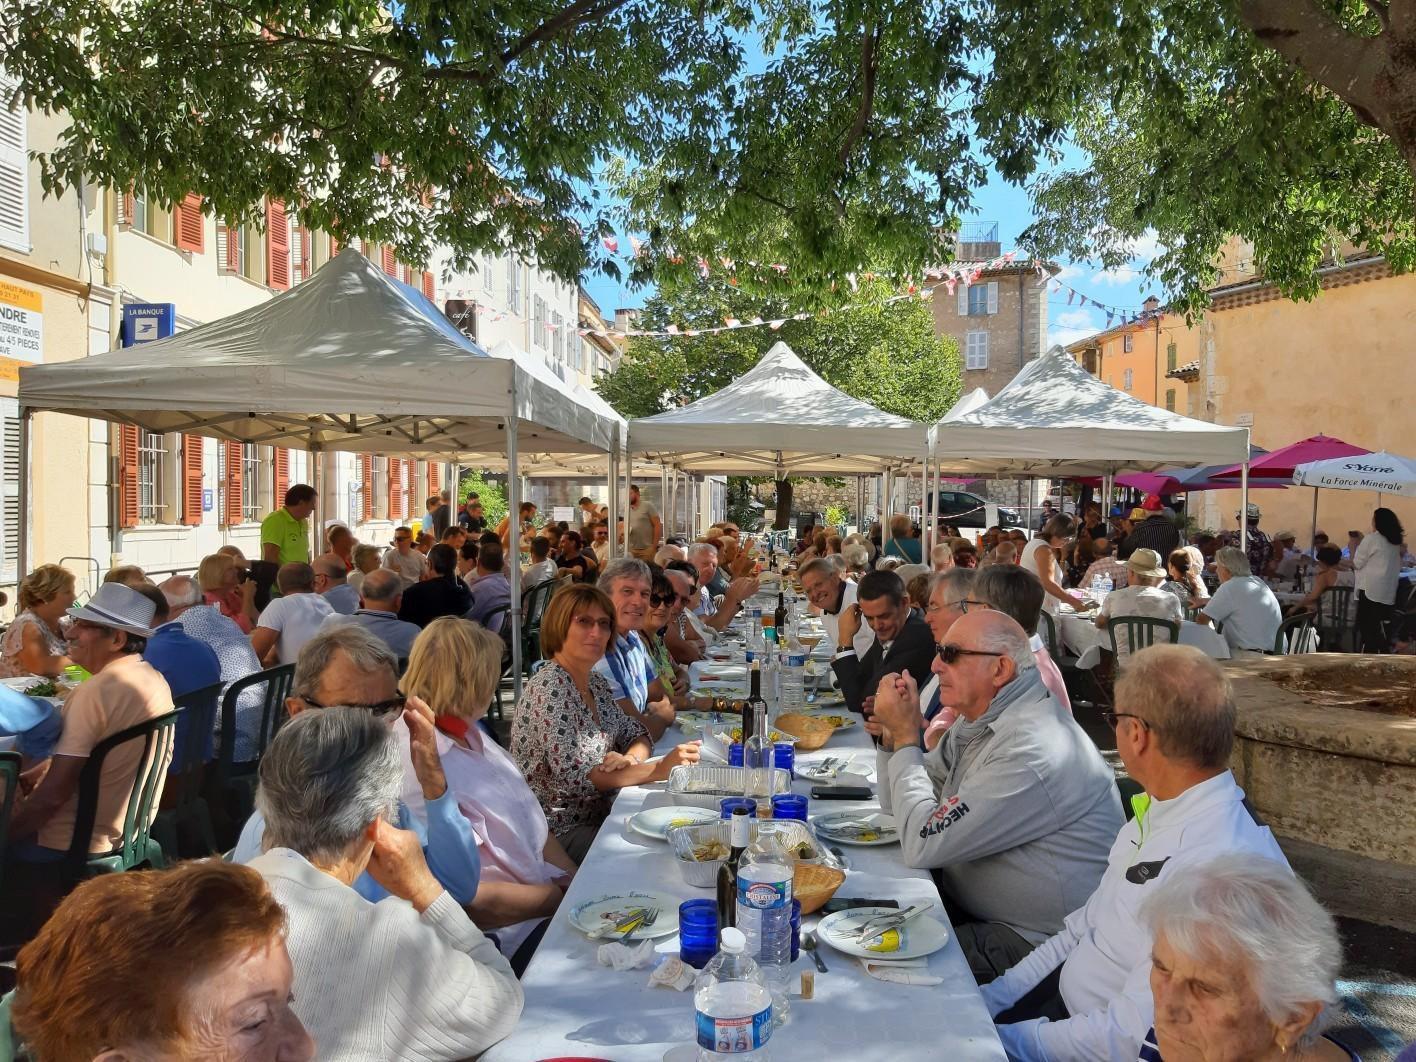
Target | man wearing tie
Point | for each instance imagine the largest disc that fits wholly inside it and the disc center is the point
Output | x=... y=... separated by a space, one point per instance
x=903 y=641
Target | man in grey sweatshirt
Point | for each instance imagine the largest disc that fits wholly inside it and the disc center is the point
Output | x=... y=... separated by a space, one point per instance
x=1014 y=807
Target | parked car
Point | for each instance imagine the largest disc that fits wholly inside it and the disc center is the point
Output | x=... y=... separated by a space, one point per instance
x=962 y=509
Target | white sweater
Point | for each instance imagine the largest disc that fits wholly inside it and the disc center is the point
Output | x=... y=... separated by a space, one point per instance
x=378 y=981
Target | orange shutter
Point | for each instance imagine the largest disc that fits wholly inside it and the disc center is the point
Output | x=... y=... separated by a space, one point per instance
x=395 y=489
x=228 y=248
x=428 y=284
x=127 y=206
x=188 y=225
x=366 y=482
x=277 y=246
x=389 y=260
x=434 y=479
x=282 y=475
x=231 y=515
x=127 y=475
x=306 y=264
x=191 y=480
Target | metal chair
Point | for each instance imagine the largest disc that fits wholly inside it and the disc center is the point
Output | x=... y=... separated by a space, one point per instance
x=9 y=786
x=504 y=612
x=182 y=800
x=136 y=847
x=1294 y=634
x=1140 y=631
x=1335 y=618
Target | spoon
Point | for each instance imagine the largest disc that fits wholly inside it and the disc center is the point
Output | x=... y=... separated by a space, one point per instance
x=808 y=943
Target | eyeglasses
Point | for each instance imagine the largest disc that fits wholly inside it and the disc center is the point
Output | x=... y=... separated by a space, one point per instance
x=658 y=601
x=380 y=709
x=962 y=605
x=1112 y=718
x=951 y=653
x=403 y=540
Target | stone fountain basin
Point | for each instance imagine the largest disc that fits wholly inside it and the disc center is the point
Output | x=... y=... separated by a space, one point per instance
x=1326 y=749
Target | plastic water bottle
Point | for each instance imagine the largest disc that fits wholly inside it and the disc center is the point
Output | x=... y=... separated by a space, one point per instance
x=793 y=678
x=764 y=913
x=1107 y=585
x=732 y=1005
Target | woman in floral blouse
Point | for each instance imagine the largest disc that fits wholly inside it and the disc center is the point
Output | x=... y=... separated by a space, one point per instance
x=572 y=742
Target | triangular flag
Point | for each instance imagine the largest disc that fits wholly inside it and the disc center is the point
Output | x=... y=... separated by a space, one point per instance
x=610 y=244
x=774 y=325
x=635 y=246
x=703 y=267
x=673 y=330
x=732 y=322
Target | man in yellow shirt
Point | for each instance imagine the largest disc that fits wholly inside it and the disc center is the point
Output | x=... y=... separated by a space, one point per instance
x=285 y=533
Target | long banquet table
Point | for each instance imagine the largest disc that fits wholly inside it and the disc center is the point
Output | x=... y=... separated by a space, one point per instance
x=576 y=1007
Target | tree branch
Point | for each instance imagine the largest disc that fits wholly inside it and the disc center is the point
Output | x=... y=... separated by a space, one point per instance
x=867 y=94
x=576 y=14
x=1304 y=34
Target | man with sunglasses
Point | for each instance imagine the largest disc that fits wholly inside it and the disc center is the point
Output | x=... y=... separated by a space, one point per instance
x=1014 y=808
x=903 y=642
x=686 y=644
x=344 y=668
x=1085 y=992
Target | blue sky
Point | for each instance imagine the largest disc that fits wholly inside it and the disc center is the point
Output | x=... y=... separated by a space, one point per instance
x=1010 y=207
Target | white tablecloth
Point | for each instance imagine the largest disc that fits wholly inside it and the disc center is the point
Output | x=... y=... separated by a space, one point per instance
x=576 y=1007
x=1081 y=635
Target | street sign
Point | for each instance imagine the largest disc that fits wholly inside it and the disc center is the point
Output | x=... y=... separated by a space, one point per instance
x=147 y=322
x=21 y=328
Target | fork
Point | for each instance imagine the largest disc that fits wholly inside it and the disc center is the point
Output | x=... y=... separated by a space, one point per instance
x=634 y=917
x=647 y=919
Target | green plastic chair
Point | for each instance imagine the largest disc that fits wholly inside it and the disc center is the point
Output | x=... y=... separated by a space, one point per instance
x=231 y=790
x=1335 y=619
x=182 y=800
x=9 y=786
x=1293 y=633
x=136 y=847
x=1141 y=632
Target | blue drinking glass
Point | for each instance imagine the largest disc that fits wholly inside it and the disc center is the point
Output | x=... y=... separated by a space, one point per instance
x=784 y=756
x=789 y=806
x=735 y=754
x=698 y=932
x=796 y=929
x=727 y=804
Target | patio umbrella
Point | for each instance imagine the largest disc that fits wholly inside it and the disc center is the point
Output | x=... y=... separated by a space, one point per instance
x=1280 y=464
x=1184 y=480
x=1382 y=472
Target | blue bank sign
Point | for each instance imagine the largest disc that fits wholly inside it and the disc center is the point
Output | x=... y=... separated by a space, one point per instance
x=145 y=322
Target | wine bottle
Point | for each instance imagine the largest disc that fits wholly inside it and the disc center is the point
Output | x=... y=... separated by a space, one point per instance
x=779 y=618
x=749 y=717
x=739 y=836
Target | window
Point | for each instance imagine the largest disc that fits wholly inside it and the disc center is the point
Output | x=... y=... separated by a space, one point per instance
x=976 y=350
x=558 y=336
x=380 y=485
x=1126 y=342
x=513 y=284
x=152 y=476
x=978 y=300
x=1170 y=399
x=9 y=490
x=14 y=167
x=1170 y=357
x=538 y=321
x=1127 y=378
x=250 y=483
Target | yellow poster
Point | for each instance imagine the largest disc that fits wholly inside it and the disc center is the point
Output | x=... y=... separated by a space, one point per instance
x=21 y=327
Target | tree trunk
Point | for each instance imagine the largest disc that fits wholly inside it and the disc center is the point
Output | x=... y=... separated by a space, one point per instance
x=784 y=505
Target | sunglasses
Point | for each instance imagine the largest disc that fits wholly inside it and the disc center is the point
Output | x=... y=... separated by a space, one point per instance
x=380 y=709
x=950 y=653
x=658 y=601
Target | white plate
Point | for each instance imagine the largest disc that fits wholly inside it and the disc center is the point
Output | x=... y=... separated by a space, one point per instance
x=876 y=818
x=607 y=910
x=656 y=822
x=853 y=768
x=920 y=936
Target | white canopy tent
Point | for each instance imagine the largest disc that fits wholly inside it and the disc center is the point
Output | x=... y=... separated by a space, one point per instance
x=966 y=404
x=349 y=360
x=779 y=419
x=1055 y=419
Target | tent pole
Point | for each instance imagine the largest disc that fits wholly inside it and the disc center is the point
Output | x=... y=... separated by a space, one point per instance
x=317 y=480
x=614 y=493
x=1244 y=506
x=934 y=515
x=1029 y=528
x=664 y=498
x=628 y=479
x=22 y=555
x=513 y=489
x=886 y=511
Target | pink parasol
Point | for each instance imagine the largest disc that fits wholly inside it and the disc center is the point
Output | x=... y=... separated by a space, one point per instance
x=1279 y=464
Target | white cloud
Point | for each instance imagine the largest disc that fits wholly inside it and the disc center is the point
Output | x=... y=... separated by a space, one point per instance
x=1070 y=326
x=1073 y=319
x=1071 y=271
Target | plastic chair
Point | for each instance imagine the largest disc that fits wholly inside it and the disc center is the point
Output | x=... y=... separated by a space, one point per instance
x=231 y=791
x=1294 y=634
x=9 y=786
x=537 y=598
x=504 y=612
x=136 y=847
x=1335 y=618
x=1140 y=632
x=182 y=800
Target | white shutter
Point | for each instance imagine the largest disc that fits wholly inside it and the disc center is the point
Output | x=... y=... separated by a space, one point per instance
x=993 y=296
x=14 y=167
x=963 y=300
x=10 y=473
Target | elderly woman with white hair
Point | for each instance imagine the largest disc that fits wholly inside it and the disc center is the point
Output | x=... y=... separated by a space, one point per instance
x=1244 y=966
x=408 y=977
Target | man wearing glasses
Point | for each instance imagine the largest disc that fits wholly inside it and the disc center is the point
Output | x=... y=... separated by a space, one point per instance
x=1014 y=808
x=344 y=668
x=1085 y=992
